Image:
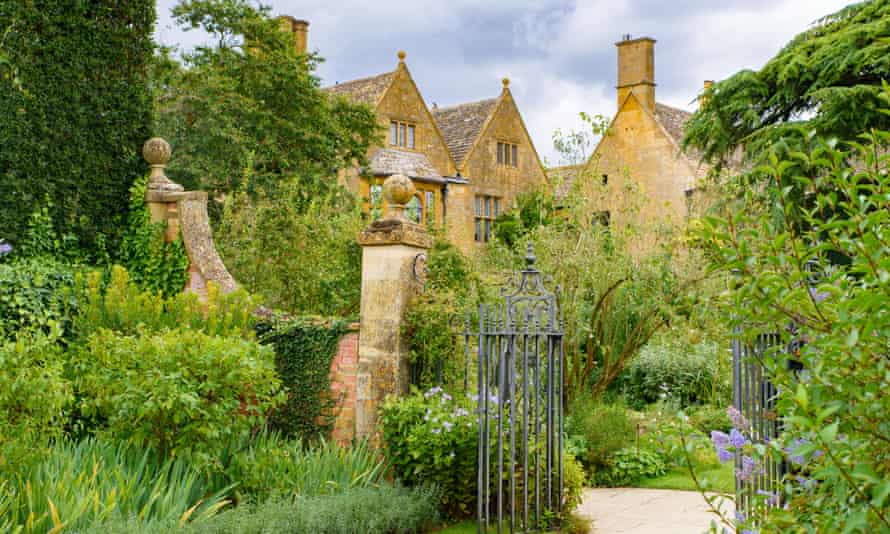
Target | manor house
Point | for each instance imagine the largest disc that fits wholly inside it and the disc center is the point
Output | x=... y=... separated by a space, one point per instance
x=468 y=161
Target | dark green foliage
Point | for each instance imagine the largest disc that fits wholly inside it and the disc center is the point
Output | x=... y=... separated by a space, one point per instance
x=75 y=120
x=597 y=431
x=39 y=293
x=533 y=209
x=434 y=318
x=626 y=467
x=304 y=350
x=710 y=417
x=827 y=79
x=433 y=439
x=155 y=265
x=247 y=113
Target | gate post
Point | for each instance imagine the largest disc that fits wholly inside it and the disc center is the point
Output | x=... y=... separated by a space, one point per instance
x=393 y=268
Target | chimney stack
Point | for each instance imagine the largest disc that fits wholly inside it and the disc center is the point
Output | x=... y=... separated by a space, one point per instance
x=703 y=99
x=299 y=29
x=636 y=70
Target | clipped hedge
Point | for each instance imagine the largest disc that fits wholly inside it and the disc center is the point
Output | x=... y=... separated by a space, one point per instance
x=304 y=350
x=75 y=111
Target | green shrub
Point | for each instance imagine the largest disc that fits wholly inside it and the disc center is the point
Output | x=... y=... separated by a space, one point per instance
x=155 y=265
x=75 y=121
x=39 y=294
x=178 y=391
x=126 y=308
x=433 y=439
x=304 y=350
x=626 y=467
x=708 y=417
x=573 y=483
x=274 y=467
x=33 y=396
x=82 y=484
x=598 y=430
x=669 y=367
x=380 y=510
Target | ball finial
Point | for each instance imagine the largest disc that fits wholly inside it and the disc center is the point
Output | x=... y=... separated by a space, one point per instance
x=506 y=82
x=156 y=151
x=398 y=190
x=401 y=55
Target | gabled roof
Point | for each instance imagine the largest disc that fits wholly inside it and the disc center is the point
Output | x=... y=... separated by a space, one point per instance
x=364 y=90
x=388 y=161
x=461 y=125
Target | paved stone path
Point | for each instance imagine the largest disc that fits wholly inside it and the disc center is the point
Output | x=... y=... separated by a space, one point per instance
x=646 y=511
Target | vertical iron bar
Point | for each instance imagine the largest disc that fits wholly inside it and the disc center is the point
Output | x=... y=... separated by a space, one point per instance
x=500 y=405
x=525 y=339
x=548 y=422
x=481 y=502
x=537 y=420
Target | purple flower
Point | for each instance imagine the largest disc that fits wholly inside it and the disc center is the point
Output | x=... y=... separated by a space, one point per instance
x=447 y=426
x=720 y=439
x=736 y=439
x=748 y=531
x=432 y=392
x=747 y=470
x=723 y=455
x=738 y=420
x=818 y=296
x=740 y=516
x=5 y=248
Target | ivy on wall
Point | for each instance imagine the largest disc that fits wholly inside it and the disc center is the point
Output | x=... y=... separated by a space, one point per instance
x=76 y=108
x=154 y=264
x=304 y=350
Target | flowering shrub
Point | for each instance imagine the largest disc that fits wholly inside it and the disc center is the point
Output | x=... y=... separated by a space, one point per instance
x=820 y=274
x=432 y=438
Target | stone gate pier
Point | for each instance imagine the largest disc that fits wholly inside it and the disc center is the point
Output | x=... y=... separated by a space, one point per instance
x=393 y=271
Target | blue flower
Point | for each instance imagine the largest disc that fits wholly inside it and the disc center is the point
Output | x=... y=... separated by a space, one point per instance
x=736 y=439
x=5 y=248
x=720 y=439
x=723 y=455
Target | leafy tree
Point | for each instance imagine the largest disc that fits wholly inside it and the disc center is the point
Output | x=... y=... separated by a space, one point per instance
x=826 y=80
x=247 y=113
x=76 y=107
x=835 y=431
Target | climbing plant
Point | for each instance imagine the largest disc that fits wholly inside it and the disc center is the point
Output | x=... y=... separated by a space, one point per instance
x=154 y=264
x=76 y=107
x=304 y=350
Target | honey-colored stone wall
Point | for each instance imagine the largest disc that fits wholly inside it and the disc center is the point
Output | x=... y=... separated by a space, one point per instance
x=638 y=150
x=487 y=177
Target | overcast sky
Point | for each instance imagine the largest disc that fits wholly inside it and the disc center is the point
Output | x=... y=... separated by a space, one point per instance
x=559 y=54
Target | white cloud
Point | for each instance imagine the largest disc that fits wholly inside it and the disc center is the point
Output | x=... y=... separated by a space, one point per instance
x=559 y=54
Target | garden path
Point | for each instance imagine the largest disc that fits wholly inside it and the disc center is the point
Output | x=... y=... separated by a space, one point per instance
x=646 y=511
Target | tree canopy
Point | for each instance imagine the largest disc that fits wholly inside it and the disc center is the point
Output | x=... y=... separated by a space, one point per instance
x=247 y=111
x=826 y=80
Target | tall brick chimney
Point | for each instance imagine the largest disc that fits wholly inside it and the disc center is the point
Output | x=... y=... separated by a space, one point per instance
x=299 y=28
x=636 y=70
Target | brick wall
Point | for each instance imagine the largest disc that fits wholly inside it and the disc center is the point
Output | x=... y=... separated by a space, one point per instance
x=343 y=378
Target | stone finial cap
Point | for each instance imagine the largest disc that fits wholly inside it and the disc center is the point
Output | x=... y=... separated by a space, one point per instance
x=506 y=82
x=398 y=190
x=156 y=151
x=401 y=55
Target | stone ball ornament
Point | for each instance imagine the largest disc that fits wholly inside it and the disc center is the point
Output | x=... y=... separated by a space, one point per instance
x=156 y=151
x=398 y=190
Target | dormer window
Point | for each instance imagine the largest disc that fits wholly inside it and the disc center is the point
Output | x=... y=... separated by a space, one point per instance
x=402 y=134
x=508 y=154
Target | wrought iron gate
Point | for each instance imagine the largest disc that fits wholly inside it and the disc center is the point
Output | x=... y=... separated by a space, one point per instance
x=519 y=377
x=754 y=396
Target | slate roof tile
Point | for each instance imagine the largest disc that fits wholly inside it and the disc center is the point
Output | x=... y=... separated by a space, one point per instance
x=364 y=90
x=462 y=124
x=389 y=161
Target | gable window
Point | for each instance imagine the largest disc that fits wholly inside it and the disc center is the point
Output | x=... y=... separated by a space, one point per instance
x=487 y=208
x=508 y=154
x=402 y=134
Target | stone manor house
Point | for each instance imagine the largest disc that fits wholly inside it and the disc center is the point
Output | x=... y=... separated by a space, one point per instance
x=470 y=161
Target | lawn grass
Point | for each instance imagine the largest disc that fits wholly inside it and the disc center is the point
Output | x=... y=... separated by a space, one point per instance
x=720 y=479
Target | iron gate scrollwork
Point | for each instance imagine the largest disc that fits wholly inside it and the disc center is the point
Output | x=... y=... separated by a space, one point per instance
x=519 y=377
